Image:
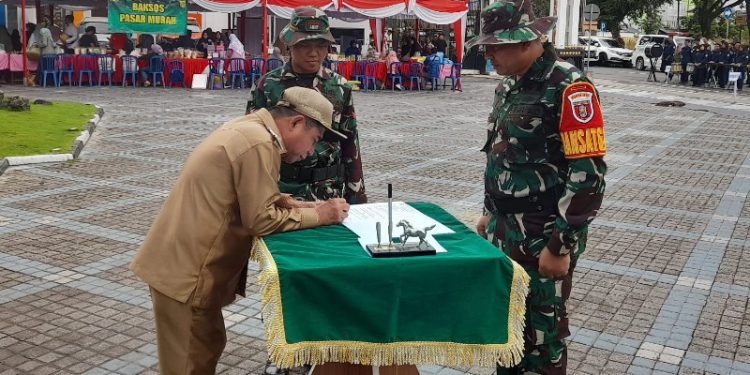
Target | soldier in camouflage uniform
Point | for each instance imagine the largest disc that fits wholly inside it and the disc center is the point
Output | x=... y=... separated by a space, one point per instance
x=544 y=180
x=334 y=170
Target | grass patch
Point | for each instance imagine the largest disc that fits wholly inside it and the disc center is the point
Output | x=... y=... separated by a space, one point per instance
x=43 y=129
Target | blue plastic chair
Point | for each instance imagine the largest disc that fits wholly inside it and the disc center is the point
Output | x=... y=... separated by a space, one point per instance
x=88 y=67
x=129 y=68
x=65 y=65
x=370 y=69
x=433 y=74
x=395 y=67
x=156 y=69
x=274 y=64
x=106 y=67
x=257 y=66
x=48 y=66
x=214 y=69
x=455 y=77
x=415 y=75
x=237 y=70
x=176 y=73
x=360 y=71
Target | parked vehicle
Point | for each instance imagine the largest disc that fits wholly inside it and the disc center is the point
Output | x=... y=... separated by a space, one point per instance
x=607 y=50
x=641 y=61
x=102 y=29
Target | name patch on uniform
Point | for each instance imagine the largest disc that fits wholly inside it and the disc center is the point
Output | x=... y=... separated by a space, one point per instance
x=581 y=122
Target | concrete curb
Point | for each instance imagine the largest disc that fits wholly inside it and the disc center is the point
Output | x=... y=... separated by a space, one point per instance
x=75 y=150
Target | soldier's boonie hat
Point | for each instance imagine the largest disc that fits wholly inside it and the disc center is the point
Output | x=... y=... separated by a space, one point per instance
x=511 y=21
x=310 y=103
x=306 y=23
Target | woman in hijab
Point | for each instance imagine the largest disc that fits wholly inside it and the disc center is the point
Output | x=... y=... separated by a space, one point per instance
x=6 y=40
x=44 y=41
x=235 y=50
x=390 y=59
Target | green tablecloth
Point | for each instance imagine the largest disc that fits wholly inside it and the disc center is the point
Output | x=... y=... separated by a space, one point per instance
x=326 y=300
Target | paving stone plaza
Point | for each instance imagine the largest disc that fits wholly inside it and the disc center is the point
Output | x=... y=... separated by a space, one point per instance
x=663 y=287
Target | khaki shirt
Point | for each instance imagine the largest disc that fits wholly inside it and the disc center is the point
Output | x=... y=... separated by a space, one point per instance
x=197 y=249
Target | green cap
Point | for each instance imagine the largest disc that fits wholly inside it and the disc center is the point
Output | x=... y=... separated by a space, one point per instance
x=511 y=21
x=306 y=23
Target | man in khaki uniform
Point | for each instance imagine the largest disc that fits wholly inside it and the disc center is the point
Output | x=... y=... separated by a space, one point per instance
x=195 y=256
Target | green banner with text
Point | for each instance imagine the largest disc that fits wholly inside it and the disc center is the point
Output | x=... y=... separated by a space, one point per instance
x=148 y=16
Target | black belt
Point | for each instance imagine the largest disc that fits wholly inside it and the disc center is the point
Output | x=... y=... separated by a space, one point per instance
x=511 y=205
x=291 y=173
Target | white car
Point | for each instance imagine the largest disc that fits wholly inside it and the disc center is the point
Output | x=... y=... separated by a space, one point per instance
x=641 y=61
x=102 y=29
x=607 y=50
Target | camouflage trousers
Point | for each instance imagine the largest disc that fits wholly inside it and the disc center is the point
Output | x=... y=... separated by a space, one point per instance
x=522 y=237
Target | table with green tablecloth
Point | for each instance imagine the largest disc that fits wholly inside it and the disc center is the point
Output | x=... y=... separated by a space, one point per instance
x=326 y=300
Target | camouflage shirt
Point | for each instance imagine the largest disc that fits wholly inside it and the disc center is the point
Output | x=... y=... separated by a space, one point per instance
x=331 y=150
x=528 y=154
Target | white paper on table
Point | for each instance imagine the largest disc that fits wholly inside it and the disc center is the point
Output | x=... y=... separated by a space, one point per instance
x=363 y=218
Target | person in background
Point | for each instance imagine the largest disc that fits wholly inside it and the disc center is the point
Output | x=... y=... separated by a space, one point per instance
x=117 y=42
x=203 y=43
x=741 y=59
x=45 y=42
x=30 y=28
x=185 y=41
x=686 y=57
x=69 y=37
x=390 y=59
x=145 y=41
x=277 y=54
x=235 y=50
x=219 y=39
x=15 y=37
x=441 y=45
x=667 y=57
x=89 y=38
x=5 y=40
x=144 y=63
x=353 y=49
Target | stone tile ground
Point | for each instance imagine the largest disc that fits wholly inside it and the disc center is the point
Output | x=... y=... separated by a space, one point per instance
x=662 y=288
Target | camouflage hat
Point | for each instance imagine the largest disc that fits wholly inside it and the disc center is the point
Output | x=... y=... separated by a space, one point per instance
x=306 y=23
x=511 y=21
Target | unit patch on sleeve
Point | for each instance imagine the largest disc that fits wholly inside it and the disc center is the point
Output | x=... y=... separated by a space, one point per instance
x=581 y=122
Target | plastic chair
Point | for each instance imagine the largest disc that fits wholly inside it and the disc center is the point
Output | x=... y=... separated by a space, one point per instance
x=129 y=68
x=106 y=65
x=48 y=66
x=156 y=68
x=360 y=71
x=176 y=73
x=433 y=74
x=65 y=65
x=415 y=75
x=215 y=69
x=257 y=66
x=274 y=64
x=370 y=69
x=395 y=67
x=88 y=66
x=455 y=77
x=237 y=70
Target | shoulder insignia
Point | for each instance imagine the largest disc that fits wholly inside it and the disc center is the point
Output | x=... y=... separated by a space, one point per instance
x=581 y=122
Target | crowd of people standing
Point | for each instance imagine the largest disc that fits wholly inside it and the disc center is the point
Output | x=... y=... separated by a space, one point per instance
x=707 y=63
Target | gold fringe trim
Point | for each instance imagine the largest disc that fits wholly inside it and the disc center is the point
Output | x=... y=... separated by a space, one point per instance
x=450 y=354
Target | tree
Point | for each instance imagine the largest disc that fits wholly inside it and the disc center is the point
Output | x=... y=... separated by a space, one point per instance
x=541 y=8
x=650 y=22
x=614 y=11
x=706 y=12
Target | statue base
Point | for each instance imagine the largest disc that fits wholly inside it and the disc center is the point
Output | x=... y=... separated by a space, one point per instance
x=396 y=250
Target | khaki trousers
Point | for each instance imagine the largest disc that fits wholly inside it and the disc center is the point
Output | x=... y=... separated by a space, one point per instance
x=190 y=339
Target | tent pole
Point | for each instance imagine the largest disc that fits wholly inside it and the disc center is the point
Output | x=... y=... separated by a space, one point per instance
x=23 y=45
x=265 y=33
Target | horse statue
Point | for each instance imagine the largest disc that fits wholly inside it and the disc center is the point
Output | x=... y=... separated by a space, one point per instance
x=409 y=232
